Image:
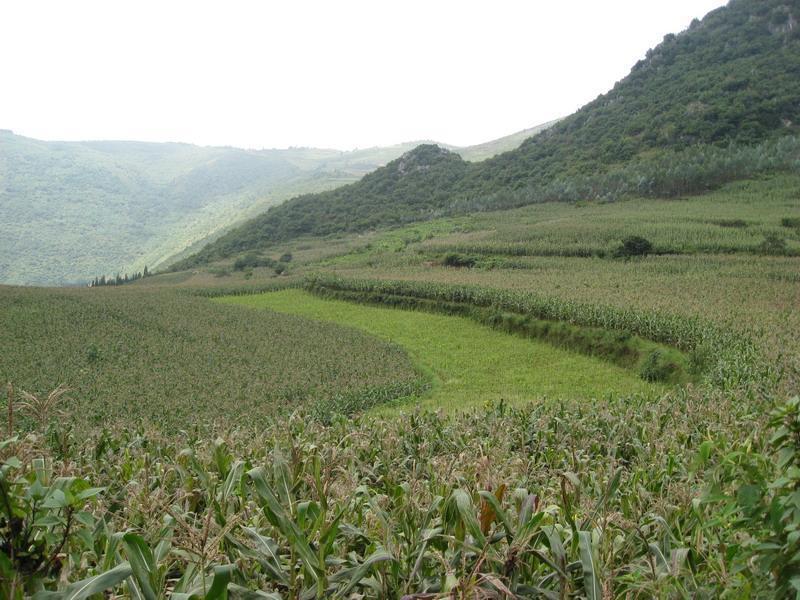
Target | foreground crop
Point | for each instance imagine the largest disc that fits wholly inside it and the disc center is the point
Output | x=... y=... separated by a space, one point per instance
x=621 y=497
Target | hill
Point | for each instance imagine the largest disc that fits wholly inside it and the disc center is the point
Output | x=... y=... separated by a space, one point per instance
x=714 y=103
x=491 y=149
x=72 y=210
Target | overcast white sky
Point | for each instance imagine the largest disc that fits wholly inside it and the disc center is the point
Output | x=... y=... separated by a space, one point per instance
x=339 y=74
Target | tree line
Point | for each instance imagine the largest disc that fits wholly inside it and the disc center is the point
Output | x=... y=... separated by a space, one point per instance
x=119 y=279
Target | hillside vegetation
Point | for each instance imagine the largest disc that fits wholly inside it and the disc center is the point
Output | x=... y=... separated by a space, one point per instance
x=714 y=103
x=70 y=211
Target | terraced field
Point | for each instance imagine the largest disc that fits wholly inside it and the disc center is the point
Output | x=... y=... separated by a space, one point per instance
x=470 y=364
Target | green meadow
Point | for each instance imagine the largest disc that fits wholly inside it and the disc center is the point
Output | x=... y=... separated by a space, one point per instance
x=470 y=365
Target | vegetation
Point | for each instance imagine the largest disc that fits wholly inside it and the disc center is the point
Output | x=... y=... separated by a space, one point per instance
x=633 y=245
x=791 y=222
x=73 y=210
x=135 y=203
x=554 y=499
x=713 y=104
x=491 y=149
x=127 y=353
x=532 y=418
x=730 y=78
x=735 y=219
x=419 y=181
x=644 y=493
x=444 y=348
x=119 y=279
x=654 y=362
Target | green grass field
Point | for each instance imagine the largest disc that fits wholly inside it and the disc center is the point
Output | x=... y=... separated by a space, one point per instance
x=751 y=294
x=471 y=365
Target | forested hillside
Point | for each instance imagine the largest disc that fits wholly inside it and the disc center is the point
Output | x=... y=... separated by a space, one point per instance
x=714 y=103
x=70 y=211
x=733 y=77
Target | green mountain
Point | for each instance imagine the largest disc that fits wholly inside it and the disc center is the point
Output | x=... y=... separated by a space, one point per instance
x=72 y=210
x=716 y=102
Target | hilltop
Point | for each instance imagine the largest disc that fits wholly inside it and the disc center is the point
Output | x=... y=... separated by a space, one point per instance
x=689 y=117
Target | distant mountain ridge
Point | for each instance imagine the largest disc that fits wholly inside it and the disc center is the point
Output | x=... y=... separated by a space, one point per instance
x=72 y=210
x=730 y=81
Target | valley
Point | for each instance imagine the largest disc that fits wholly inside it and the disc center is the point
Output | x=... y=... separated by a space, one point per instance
x=72 y=211
x=564 y=364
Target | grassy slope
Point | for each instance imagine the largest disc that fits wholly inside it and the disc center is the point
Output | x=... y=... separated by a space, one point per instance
x=471 y=364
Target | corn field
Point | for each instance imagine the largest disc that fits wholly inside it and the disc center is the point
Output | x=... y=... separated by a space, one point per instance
x=616 y=499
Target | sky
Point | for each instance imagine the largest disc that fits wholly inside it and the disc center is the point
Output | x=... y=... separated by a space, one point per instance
x=337 y=74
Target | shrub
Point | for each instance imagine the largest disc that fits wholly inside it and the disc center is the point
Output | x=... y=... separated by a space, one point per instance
x=251 y=261
x=633 y=246
x=657 y=367
x=773 y=245
x=736 y=223
x=791 y=222
x=454 y=259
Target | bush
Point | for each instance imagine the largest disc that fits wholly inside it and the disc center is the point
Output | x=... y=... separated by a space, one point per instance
x=773 y=245
x=791 y=222
x=657 y=367
x=633 y=246
x=454 y=259
x=736 y=223
x=251 y=261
